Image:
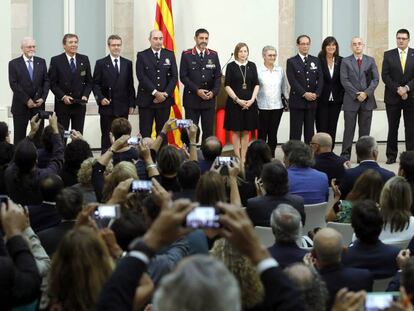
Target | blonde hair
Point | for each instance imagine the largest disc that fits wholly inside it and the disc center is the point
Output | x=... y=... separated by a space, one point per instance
x=251 y=287
x=122 y=171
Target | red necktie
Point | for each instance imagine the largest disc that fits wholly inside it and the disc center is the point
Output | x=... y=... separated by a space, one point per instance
x=359 y=62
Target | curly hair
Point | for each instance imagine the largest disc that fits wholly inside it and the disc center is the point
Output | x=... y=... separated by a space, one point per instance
x=122 y=171
x=251 y=287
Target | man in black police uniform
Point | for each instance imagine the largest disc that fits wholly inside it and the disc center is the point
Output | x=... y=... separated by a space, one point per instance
x=157 y=75
x=306 y=82
x=29 y=82
x=71 y=82
x=113 y=88
x=200 y=73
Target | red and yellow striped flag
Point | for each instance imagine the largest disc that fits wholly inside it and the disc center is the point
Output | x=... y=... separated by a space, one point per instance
x=164 y=22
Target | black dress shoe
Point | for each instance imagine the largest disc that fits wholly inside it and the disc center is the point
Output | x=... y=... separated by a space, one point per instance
x=390 y=161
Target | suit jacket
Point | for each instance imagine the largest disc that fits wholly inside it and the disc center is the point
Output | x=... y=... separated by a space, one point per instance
x=51 y=237
x=260 y=209
x=304 y=79
x=119 y=89
x=378 y=258
x=331 y=164
x=196 y=74
x=352 y=174
x=43 y=216
x=331 y=84
x=162 y=77
x=24 y=88
x=355 y=79
x=63 y=82
x=393 y=76
x=286 y=253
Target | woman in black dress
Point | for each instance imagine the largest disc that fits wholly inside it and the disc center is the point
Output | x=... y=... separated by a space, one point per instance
x=330 y=102
x=242 y=86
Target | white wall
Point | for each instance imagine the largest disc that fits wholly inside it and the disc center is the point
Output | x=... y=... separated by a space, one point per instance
x=400 y=15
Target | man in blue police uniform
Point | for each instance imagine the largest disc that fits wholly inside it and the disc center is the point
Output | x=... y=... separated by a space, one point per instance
x=306 y=82
x=200 y=73
x=113 y=88
x=157 y=75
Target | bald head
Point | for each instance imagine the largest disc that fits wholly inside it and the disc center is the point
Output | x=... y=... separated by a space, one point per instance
x=300 y=274
x=321 y=142
x=156 y=39
x=327 y=245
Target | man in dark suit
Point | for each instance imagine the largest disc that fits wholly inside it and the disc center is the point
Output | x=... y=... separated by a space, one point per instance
x=367 y=153
x=327 y=251
x=275 y=183
x=30 y=85
x=398 y=76
x=200 y=73
x=359 y=77
x=285 y=223
x=71 y=82
x=157 y=75
x=113 y=88
x=325 y=160
x=306 y=82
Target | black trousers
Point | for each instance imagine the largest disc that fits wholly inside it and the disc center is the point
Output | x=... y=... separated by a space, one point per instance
x=77 y=120
x=106 y=123
x=269 y=121
x=326 y=119
x=302 y=118
x=207 y=120
x=148 y=115
x=394 y=116
x=20 y=123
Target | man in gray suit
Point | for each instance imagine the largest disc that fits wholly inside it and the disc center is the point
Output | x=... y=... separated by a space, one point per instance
x=359 y=77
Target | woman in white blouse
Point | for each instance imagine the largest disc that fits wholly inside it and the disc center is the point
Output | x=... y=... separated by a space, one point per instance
x=273 y=85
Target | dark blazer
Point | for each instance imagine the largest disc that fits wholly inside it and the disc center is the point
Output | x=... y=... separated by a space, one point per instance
x=43 y=216
x=51 y=237
x=378 y=258
x=63 y=82
x=119 y=89
x=259 y=209
x=23 y=87
x=331 y=164
x=393 y=76
x=287 y=253
x=352 y=174
x=298 y=76
x=162 y=77
x=338 y=276
x=331 y=84
x=196 y=74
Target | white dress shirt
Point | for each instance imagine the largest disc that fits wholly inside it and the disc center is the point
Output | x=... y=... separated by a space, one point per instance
x=113 y=62
x=272 y=85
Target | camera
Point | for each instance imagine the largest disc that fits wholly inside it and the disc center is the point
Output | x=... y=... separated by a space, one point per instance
x=66 y=134
x=134 y=140
x=107 y=211
x=184 y=123
x=224 y=160
x=202 y=217
x=45 y=114
x=380 y=300
x=141 y=185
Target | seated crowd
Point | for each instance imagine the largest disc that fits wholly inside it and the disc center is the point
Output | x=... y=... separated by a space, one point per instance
x=150 y=226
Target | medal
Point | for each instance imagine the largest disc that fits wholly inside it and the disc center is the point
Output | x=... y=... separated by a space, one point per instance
x=244 y=86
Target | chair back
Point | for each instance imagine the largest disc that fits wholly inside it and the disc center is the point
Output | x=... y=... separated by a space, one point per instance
x=343 y=228
x=315 y=216
x=266 y=235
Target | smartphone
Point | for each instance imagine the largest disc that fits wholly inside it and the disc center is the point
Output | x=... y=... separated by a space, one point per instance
x=224 y=160
x=108 y=211
x=134 y=140
x=4 y=199
x=141 y=185
x=66 y=134
x=184 y=123
x=202 y=217
x=45 y=114
x=380 y=300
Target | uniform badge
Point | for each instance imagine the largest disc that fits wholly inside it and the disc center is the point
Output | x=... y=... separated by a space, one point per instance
x=210 y=64
x=167 y=62
x=193 y=63
x=312 y=66
x=83 y=73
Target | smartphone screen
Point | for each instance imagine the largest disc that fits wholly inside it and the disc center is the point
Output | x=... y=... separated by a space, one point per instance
x=66 y=134
x=108 y=211
x=380 y=300
x=184 y=123
x=134 y=140
x=224 y=160
x=202 y=217
x=141 y=185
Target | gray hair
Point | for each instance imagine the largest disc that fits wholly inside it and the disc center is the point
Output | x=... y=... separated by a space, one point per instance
x=26 y=40
x=365 y=147
x=268 y=48
x=199 y=283
x=152 y=32
x=285 y=222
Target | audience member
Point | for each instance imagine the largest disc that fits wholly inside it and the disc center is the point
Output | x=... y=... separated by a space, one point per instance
x=367 y=251
x=75 y=153
x=367 y=154
x=210 y=148
x=119 y=127
x=84 y=184
x=6 y=153
x=406 y=170
x=122 y=171
x=168 y=162
x=188 y=175
x=305 y=181
x=275 y=185
x=45 y=152
x=286 y=227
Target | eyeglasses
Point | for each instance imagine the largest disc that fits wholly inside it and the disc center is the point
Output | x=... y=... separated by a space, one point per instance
x=403 y=39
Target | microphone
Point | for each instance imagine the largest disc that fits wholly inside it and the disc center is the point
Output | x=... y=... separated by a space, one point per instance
x=228 y=61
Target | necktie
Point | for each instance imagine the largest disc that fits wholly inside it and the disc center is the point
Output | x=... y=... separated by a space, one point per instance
x=157 y=57
x=72 y=65
x=305 y=61
x=30 y=68
x=403 y=59
x=359 y=61
x=116 y=66
x=201 y=56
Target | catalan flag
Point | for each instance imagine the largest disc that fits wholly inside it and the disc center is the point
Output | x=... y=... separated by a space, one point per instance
x=164 y=22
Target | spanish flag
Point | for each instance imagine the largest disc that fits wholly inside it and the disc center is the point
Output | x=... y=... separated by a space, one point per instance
x=164 y=22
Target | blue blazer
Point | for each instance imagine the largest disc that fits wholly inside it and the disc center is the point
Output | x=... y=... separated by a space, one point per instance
x=286 y=253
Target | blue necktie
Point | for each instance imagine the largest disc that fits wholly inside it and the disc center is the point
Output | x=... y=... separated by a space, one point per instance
x=72 y=65
x=30 y=68
x=116 y=66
